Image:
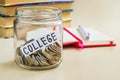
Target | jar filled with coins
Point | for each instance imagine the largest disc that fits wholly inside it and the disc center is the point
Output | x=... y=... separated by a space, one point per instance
x=38 y=37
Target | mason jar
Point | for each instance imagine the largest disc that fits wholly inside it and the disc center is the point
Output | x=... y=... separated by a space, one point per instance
x=38 y=37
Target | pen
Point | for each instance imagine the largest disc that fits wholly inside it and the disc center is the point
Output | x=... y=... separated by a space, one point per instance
x=84 y=34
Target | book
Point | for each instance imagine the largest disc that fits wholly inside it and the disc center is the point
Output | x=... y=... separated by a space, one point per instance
x=6 y=15
x=6 y=32
x=10 y=10
x=67 y=23
x=8 y=21
x=18 y=2
x=73 y=37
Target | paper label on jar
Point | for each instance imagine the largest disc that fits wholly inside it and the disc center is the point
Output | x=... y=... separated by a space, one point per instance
x=34 y=45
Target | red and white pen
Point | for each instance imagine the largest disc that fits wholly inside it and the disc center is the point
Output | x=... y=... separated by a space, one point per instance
x=84 y=33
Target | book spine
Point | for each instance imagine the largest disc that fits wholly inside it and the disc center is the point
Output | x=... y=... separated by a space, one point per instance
x=100 y=45
x=38 y=3
x=6 y=16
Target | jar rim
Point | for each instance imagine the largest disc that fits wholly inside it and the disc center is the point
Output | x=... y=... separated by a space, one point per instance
x=36 y=10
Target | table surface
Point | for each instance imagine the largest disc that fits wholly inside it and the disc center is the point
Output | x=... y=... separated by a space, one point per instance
x=101 y=63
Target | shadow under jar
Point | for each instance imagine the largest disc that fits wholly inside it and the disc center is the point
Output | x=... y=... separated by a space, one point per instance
x=38 y=37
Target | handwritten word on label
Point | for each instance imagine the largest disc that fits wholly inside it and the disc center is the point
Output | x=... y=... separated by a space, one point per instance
x=39 y=43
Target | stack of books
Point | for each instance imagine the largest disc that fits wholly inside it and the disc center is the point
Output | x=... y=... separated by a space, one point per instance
x=7 y=12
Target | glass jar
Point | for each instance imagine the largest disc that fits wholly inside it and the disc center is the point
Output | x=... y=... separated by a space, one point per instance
x=38 y=37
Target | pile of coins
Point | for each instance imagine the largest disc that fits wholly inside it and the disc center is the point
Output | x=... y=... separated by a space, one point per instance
x=47 y=56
